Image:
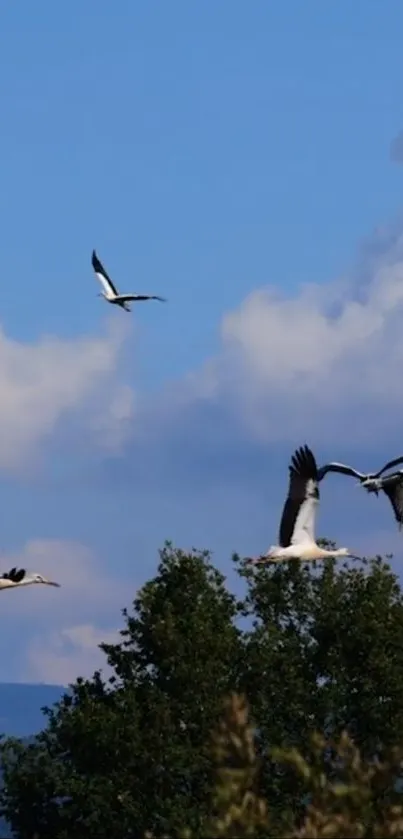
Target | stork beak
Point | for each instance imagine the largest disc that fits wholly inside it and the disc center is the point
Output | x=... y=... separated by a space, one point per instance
x=51 y=583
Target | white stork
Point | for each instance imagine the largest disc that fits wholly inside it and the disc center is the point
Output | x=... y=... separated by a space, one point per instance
x=297 y=527
x=392 y=485
x=110 y=292
x=21 y=577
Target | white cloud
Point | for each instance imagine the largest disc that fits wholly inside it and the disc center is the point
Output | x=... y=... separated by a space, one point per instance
x=44 y=381
x=315 y=362
x=113 y=423
x=61 y=656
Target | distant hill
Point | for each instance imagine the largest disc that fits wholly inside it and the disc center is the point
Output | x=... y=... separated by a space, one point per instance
x=21 y=716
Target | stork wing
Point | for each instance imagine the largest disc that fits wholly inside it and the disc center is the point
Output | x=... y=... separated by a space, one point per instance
x=8 y=574
x=298 y=519
x=126 y=298
x=389 y=465
x=102 y=275
x=340 y=467
x=393 y=488
x=14 y=575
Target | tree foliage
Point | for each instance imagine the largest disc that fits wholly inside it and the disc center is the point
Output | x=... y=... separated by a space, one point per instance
x=311 y=647
x=346 y=795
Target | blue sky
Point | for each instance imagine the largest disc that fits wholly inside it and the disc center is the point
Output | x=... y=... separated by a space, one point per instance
x=236 y=159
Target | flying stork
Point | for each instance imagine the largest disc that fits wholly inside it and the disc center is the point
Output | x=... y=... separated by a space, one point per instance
x=110 y=292
x=392 y=485
x=297 y=527
x=21 y=577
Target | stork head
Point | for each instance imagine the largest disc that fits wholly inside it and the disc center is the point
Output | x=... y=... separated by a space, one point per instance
x=38 y=578
x=372 y=485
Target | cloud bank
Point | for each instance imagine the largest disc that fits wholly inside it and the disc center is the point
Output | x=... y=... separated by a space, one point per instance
x=61 y=655
x=325 y=363
x=44 y=382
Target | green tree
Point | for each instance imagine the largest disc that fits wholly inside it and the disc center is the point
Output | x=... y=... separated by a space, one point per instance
x=325 y=653
x=320 y=648
x=348 y=795
x=117 y=759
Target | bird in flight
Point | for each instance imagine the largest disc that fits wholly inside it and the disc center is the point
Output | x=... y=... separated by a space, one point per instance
x=21 y=577
x=392 y=485
x=297 y=527
x=110 y=292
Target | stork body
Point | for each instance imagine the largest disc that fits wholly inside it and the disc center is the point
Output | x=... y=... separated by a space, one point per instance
x=20 y=577
x=392 y=485
x=297 y=527
x=111 y=293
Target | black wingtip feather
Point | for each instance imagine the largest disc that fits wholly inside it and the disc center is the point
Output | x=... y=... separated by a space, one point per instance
x=15 y=575
x=303 y=463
